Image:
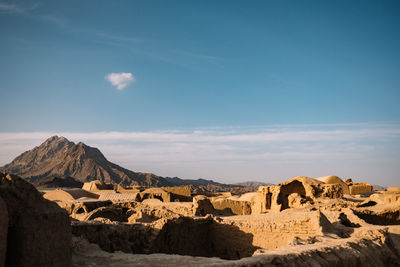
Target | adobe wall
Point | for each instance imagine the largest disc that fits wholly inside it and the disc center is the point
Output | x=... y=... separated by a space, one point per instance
x=228 y=206
x=335 y=180
x=358 y=188
x=157 y=193
x=120 y=197
x=232 y=237
x=274 y=230
x=276 y=197
x=179 y=190
x=121 y=189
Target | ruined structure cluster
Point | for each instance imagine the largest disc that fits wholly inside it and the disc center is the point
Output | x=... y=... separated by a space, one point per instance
x=300 y=222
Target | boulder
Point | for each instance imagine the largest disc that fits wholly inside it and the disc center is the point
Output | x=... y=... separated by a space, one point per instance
x=39 y=231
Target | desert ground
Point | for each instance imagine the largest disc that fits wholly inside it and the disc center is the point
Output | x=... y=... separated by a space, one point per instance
x=301 y=222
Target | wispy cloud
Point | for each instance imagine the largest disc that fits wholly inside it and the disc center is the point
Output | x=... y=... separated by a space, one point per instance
x=120 y=80
x=194 y=55
x=154 y=49
x=12 y=8
x=28 y=12
x=234 y=153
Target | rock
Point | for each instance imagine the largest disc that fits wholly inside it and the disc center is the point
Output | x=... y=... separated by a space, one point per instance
x=39 y=232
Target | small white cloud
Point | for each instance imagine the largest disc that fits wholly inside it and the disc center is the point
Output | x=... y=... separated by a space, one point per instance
x=120 y=80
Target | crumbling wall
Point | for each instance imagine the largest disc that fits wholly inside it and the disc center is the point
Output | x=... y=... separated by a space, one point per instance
x=129 y=238
x=255 y=200
x=80 y=209
x=335 y=180
x=204 y=237
x=151 y=210
x=387 y=197
x=97 y=185
x=288 y=189
x=266 y=194
x=382 y=217
x=120 y=197
x=368 y=248
x=68 y=194
x=228 y=237
x=134 y=189
x=183 y=235
x=157 y=193
x=181 y=193
x=358 y=188
x=274 y=230
x=276 y=197
x=202 y=206
x=226 y=206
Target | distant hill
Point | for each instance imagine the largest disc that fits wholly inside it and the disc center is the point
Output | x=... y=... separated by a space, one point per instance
x=378 y=187
x=252 y=184
x=58 y=157
x=196 y=182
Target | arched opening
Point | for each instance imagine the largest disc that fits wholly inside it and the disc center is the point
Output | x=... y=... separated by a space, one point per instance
x=290 y=188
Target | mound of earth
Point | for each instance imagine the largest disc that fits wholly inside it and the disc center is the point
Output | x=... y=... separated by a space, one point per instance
x=38 y=231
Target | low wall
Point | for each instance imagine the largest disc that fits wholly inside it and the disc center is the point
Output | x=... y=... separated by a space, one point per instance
x=274 y=230
x=232 y=237
x=231 y=207
x=356 y=189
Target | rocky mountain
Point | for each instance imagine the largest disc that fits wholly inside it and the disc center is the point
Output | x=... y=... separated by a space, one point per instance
x=58 y=157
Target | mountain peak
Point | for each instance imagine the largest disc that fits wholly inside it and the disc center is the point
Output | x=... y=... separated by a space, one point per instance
x=80 y=144
x=56 y=140
x=82 y=150
x=59 y=157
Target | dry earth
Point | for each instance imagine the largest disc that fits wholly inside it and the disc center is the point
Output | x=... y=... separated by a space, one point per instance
x=300 y=222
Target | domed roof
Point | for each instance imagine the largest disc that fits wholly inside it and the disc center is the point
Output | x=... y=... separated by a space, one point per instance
x=332 y=179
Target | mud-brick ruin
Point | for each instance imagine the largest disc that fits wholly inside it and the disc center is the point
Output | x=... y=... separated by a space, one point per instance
x=304 y=221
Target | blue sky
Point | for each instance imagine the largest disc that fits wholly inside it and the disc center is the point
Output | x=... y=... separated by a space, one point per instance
x=192 y=66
